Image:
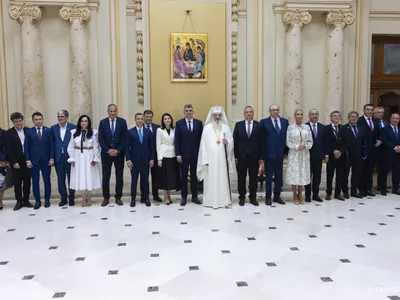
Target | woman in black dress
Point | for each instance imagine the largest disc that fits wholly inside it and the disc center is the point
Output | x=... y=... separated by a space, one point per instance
x=168 y=178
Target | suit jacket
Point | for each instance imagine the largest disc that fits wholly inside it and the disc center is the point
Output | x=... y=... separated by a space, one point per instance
x=356 y=146
x=12 y=146
x=108 y=141
x=332 y=142
x=137 y=152
x=35 y=149
x=165 y=144
x=187 y=143
x=245 y=146
x=370 y=137
x=61 y=146
x=318 y=149
x=390 y=141
x=153 y=132
x=274 y=142
x=385 y=123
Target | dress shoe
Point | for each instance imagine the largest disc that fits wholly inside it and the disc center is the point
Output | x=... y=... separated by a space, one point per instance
x=27 y=204
x=317 y=198
x=119 y=202
x=279 y=200
x=47 y=203
x=356 y=195
x=105 y=202
x=133 y=203
x=362 y=194
x=37 y=205
x=328 y=197
x=148 y=203
x=268 y=201
x=339 y=197
x=241 y=202
x=62 y=203
x=383 y=193
x=195 y=200
x=183 y=202
x=1 y=207
x=369 y=193
x=142 y=200
x=308 y=199
x=71 y=202
x=346 y=196
x=254 y=201
x=396 y=192
x=18 y=206
x=157 y=199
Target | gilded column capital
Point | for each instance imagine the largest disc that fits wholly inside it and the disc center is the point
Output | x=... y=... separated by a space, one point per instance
x=344 y=18
x=24 y=11
x=75 y=12
x=290 y=17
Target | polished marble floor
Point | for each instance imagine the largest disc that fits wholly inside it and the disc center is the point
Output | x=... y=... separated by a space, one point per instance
x=333 y=250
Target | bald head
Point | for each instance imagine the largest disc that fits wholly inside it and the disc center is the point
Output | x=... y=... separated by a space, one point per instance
x=274 y=111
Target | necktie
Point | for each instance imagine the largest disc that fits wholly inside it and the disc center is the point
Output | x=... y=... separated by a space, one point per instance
x=149 y=128
x=355 y=130
x=190 y=125
x=336 y=132
x=396 y=132
x=248 y=129
x=277 y=127
x=112 y=126
x=370 y=125
x=381 y=124
x=140 y=136
x=314 y=130
x=39 y=134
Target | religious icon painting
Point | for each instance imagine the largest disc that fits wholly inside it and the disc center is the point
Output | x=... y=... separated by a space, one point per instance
x=189 y=57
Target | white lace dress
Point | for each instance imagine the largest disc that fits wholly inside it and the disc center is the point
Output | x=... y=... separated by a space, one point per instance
x=298 y=166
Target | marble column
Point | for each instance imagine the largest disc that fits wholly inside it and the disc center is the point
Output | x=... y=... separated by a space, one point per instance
x=294 y=20
x=336 y=21
x=80 y=68
x=32 y=69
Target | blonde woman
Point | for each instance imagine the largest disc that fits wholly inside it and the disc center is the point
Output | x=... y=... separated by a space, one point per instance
x=299 y=141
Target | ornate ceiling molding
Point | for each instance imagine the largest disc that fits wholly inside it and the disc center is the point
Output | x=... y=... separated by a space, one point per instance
x=91 y=4
x=318 y=5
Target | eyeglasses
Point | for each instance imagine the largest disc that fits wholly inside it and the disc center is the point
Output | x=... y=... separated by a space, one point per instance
x=60 y=117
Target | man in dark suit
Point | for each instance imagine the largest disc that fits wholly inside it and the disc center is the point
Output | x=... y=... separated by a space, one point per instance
x=139 y=149
x=112 y=133
x=61 y=135
x=39 y=156
x=354 y=137
x=148 y=123
x=248 y=154
x=335 y=154
x=317 y=155
x=371 y=129
x=379 y=112
x=391 y=141
x=187 y=143
x=273 y=136
x=14 y=148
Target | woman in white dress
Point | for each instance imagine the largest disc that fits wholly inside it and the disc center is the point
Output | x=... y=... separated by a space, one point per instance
x=299 y=140
x=84 y=154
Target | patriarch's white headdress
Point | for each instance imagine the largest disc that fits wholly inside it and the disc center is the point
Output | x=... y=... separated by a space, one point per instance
x=217 y=109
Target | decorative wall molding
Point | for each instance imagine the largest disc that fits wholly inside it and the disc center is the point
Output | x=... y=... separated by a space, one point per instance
x=344 y=18
x=289 y=17
x=20 y=12
x=384 y=15
x=321 y=5
x=92 y=4
x=235 y=10
x=69 y=13
x=138 y=9
x=139 y=66
x=234 y=67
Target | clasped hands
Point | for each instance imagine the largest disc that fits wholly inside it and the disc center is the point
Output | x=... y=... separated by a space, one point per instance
x=301 y=147
x=112 y=152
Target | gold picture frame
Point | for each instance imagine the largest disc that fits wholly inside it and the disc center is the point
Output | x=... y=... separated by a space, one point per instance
x=189 y=55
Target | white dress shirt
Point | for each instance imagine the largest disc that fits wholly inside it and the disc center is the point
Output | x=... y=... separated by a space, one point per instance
x=372 y=121
x=21 y=135
x=279 y=122
x=63 y=130
x=251 y=126
x=191 y=123
x=115 y=124
x=149 y=127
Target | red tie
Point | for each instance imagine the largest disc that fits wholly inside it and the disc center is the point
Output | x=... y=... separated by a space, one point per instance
x=370 y=125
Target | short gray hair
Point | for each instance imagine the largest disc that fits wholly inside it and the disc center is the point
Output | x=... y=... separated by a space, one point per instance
x=187 y=106
x=64 y=112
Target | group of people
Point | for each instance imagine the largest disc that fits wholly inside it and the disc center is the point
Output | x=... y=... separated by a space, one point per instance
x=176 y=154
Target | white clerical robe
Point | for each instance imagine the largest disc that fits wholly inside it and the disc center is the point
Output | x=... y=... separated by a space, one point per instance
x=216 y=192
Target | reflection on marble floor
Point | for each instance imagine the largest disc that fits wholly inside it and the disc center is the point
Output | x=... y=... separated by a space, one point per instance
x=333 y=250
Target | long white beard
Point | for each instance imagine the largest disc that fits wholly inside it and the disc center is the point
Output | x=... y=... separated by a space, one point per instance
x=217 y=124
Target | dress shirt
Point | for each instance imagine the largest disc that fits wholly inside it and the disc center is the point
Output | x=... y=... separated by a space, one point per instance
x=372 y=121
x=149 y=127
x=279 y=122
x=115 y=123
x=312 y=127
x=21 y=135
x=251 y=126
x=191 y=123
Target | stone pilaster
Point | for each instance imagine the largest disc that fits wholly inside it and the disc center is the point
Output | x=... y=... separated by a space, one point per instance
x=80 y=67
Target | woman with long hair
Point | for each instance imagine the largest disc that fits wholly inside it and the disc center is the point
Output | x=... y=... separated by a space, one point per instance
x=168 y=178
x=299 y=140
x=84 y=154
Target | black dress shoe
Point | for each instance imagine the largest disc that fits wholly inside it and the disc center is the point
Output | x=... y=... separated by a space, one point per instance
x=157 y=199
x=396 y=192
x=142 y=200
x=346 y=196
x=339 y=197
x=279 y=200
x=71 y=202
x=328 y=197
x=318 y=199
x=308 y=199
x=254 y=201
x=62 y=203
x=27 y=204
x=362 y=194
x=183 y=202
x=356 y=195
x=47 y=203
x=1 y=207
x=268 y=201
x=37 y=205
x=241 y=202
x=133 y=203
x=119 y=202
x=18 y=206
x=148 y=203
x=383 y=193
x=369 y=193
x=105 y=202
x=195 y=200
